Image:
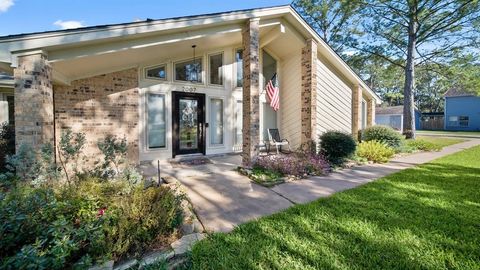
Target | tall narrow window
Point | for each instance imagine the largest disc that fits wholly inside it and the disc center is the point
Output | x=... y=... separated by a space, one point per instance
x=238 y=125
x=216 y=69
x=216 y=121
x=364 y=114
x=156 y=126
x=239 y=67
x=189 y=71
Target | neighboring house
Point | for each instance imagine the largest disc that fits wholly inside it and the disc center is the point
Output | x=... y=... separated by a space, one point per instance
x=145 y=81
x=393 y=117
x=432 y=121
x=6 y=98
x=462 y=110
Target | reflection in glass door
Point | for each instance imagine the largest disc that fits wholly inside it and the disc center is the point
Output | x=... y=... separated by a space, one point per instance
x=188 y=124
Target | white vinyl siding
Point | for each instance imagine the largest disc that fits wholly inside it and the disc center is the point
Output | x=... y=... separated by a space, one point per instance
x=290 y=95
x=334 y=101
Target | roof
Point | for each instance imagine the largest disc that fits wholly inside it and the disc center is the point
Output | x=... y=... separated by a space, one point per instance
x=73 y=36
x=456 y=92
x=6 y=80
x=390 y=110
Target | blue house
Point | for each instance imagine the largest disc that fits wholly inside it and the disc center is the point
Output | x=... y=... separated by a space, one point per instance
x=462 y=110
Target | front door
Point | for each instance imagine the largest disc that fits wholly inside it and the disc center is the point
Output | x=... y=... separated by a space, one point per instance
x=188 y=123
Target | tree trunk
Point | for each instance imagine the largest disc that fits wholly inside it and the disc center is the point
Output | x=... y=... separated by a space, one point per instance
x=408 y=103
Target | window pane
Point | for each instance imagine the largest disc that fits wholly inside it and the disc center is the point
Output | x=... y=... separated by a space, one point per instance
x=157 y=72
x=216 y=66
x=238 y=124
x=189 y=71
x=156 y=127
x=463 y=121
x=216 y=121
x=239 y=67
x=269 y=119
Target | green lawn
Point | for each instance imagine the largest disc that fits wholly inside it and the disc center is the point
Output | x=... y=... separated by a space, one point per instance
x=427 y=217
x=472 y=133
x=441 y=141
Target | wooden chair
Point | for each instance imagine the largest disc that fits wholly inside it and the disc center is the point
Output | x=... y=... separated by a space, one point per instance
x=275 y=140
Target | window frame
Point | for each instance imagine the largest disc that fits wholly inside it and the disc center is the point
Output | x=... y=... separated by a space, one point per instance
x=147 y=139
x=210 y=144
x=202 y=73
x=460 y=121
x=145 y=71
x=209 y=69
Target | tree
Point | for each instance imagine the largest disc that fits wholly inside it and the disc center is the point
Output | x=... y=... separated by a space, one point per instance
x=408 y=33
x=334 y=20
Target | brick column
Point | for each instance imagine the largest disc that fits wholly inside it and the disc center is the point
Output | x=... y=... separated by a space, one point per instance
x=251 y=91
x=356 y=110
x=309 y=93
x=370 y=112
x=33 y=101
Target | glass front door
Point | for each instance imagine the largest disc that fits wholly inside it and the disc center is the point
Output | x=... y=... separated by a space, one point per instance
x=188 y=123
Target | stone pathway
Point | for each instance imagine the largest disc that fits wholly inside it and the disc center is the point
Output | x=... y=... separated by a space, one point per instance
x=222 y=198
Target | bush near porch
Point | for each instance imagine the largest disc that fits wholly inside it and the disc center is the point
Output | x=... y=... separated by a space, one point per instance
x=49 y=222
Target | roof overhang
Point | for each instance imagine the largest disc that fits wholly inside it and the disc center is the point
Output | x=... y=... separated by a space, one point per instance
x=94 y=40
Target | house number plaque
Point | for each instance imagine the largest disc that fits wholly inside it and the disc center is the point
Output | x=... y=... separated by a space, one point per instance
x=189 y=89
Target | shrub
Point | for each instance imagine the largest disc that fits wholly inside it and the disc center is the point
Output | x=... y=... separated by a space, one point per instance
x=375 y=151
x=337 y=146
x=73 y=226
x=383 y=134
x=7 y=143
x=69 y=150
x=114 y=151
x=423 y=145
x=298 y=165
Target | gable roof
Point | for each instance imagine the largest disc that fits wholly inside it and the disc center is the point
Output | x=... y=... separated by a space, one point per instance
x=391 y=110
x=71 y=37
x=457 y=92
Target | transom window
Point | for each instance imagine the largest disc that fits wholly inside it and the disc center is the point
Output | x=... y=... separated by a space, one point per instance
x=215 y=63
x=189 y=71
x=158 y=72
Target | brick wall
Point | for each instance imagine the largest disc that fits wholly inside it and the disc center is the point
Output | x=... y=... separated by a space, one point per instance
x=100 y=105
x=33 y=100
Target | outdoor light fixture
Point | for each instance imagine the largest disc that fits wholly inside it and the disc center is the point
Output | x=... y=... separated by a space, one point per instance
x=193 y=78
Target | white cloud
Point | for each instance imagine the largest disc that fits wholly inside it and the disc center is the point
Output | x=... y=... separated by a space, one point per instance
x=5 y=5
x=68 y=24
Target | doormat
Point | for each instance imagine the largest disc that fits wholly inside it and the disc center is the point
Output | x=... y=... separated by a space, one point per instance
x=191 y=162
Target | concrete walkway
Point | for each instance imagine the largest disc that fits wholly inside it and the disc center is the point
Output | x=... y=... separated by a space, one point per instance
x=222 y=198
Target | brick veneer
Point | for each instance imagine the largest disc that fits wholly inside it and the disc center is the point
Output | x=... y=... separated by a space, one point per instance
x=33 y=101
x=251 y=90
x=100 y=105
x=356 y=110
x=370 y=112
x=309 y=93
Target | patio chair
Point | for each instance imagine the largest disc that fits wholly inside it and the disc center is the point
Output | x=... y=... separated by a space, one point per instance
x=275 y=140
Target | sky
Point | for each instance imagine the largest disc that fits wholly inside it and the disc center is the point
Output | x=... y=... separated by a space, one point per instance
x=26 y=16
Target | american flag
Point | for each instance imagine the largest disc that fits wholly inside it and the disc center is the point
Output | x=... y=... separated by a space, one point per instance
x=273 y=92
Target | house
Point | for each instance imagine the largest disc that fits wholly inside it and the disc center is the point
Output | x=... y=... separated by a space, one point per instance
x=187 y=85
x=462 y=110
x=6 y=98
x=393 y=116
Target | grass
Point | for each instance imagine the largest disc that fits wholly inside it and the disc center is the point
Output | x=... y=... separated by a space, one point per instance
x=441 y=141
x=473 y=133
x=426 y=217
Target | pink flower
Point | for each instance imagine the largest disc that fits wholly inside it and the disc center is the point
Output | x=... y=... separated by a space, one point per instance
x=101 y=212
